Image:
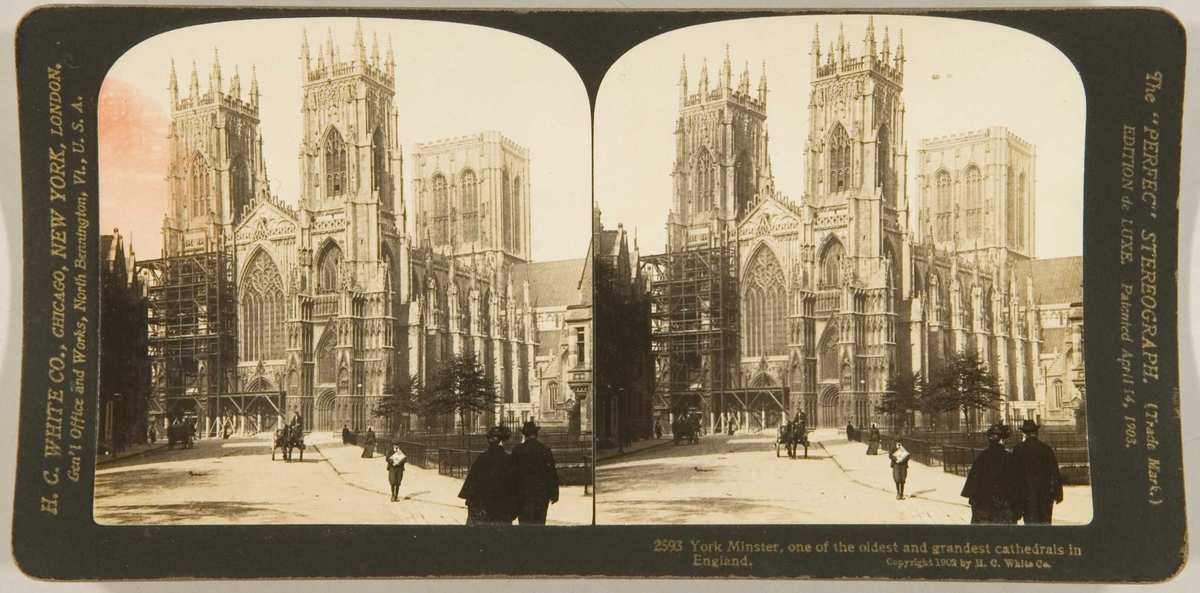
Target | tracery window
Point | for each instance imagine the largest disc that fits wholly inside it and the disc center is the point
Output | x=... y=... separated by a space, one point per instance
x=199 y=186
x=831 y=264
x=765 y=302
x=517 y=214
x=469 y=205
x=379 y=161
x=839 y=160
x=974 y=203
x=326 y=359
x=743 y=182
x=239 y=185
x=506 y=208
x=441 y=209
x=1058 y=394
x=335 y=164
x=263 y=314
x=706 y=182
x=328 y=267
x=1011 y=208
x=828 y=353
x=1021 y=211
x=883 y=166
x=944 y=206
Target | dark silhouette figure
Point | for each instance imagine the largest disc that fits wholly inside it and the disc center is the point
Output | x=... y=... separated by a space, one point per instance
x=989 y=485
x=395 y=465
x=345 y=435
x=657 y=430
x=873 y=445
x=1038 y=481
x=490 y=488
x=537 y=476
x=369 y=444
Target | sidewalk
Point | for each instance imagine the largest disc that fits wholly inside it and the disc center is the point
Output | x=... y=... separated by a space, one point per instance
x=637 y=447
x=131 y=451
x=930 y=483
x=427 y=485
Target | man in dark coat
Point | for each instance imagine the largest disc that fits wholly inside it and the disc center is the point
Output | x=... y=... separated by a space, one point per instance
x=537 y=475
x=1037 y=479
x=989 y=486
x=345 y=435
x=490 y=488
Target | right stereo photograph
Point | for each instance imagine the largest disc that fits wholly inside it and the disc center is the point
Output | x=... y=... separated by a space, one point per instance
x=839 y=276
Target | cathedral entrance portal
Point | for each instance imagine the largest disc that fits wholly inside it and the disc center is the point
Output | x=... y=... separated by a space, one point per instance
x=829 y=417
x=325 y=419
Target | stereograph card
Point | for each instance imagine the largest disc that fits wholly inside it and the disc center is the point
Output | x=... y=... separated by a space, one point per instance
x=741 y=294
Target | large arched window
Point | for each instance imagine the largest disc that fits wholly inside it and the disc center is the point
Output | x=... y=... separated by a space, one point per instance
x=506 y=208
x=974 y=203
x=199 y=186
x=883 y=166
x=828 y=353
x=327 y=359
x=263 y=314
x=744 y=182
x=552 y=391
x=517 y=215
x=239 y=185
x=831 y=264
x=839 y=160
x=468 y=208
x=706 y=181
x=379 y=164
x=335 y=164
x=1057 y=394
x=329 y=265
x=941 y=188
x=1021 y=211
x=765 y=306
x=1010 y=206
x=441 y=209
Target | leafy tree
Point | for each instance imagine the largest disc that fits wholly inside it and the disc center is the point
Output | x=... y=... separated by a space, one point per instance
x=961 y=384
x=402 y=400
x=461 y=387
x=905 y=395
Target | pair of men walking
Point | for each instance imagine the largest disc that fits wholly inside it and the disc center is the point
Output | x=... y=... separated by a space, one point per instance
x=1006 y=487
x=501 y=487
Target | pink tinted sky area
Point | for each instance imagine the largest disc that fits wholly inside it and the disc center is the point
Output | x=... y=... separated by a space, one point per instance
x=133 y=150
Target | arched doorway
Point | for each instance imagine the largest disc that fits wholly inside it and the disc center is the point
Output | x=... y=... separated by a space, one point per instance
x=829 y=417
x=325 y=419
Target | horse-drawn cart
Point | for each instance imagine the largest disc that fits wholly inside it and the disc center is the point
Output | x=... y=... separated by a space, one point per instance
x=287 y=439
x=182 y=433
x=792 y=435
x=686 y=428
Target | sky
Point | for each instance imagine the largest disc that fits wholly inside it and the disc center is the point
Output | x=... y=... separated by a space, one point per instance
x=451 y=80
x=960 y=76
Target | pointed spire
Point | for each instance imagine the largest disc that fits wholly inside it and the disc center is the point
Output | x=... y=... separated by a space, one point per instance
x=304 y=46
x=744 y=81
x=214 y=80
x=235 y=84
x=841 y=42
x=194 y=89
x=391 y=58
x=869 y=38
x=375 y=49
x=816 y=44
x=683 y=81
x=253 y=85
x=887 y=49
x=726 y=70
x=173 y=85
x=900 y=52
x=762 y=84
x=830 y=60
x=329 y=46
x=703 y=84
x=358 y=41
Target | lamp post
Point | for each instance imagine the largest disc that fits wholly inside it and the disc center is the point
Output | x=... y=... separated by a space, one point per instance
x=862 y=388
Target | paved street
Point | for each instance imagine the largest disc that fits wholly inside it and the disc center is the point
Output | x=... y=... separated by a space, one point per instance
x=236 y=481
x=739 y=479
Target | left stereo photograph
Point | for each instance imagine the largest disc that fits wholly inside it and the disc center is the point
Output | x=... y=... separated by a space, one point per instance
x=337 y=289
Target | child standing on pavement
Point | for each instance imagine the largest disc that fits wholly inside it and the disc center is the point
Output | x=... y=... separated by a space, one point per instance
x=395 y=465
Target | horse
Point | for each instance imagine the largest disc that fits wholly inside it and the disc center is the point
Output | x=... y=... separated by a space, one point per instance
x=288 y=438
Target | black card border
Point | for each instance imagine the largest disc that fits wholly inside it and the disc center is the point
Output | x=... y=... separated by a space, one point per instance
x=1111 y=48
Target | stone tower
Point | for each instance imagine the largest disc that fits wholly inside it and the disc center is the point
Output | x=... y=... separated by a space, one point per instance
x=216 y=161
x=856 y=152
x=721 y=160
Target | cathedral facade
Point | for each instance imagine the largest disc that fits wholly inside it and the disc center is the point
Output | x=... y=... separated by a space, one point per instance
x=340 y=297
x=855 y=282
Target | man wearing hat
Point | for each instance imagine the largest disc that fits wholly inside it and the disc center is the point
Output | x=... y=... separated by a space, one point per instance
x=1037 y=480
x=989 y=486
x=490 y=488
x=537 y=475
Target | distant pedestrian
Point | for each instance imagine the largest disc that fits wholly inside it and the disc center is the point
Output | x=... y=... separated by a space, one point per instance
x=989 y=485
x=395 y=465
x=657 y=430
x=537 y=475
x=1038 y=481
x=873 y=444
x=490 y=488
x=153 y=434
x=369 y=444
x=899 y=457
x=850 y=431
x=345 y=435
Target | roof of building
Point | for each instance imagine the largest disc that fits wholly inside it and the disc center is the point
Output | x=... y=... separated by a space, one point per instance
x=551 y=283
x=1057 y=280
x=1053 y=339
x=549 y=341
